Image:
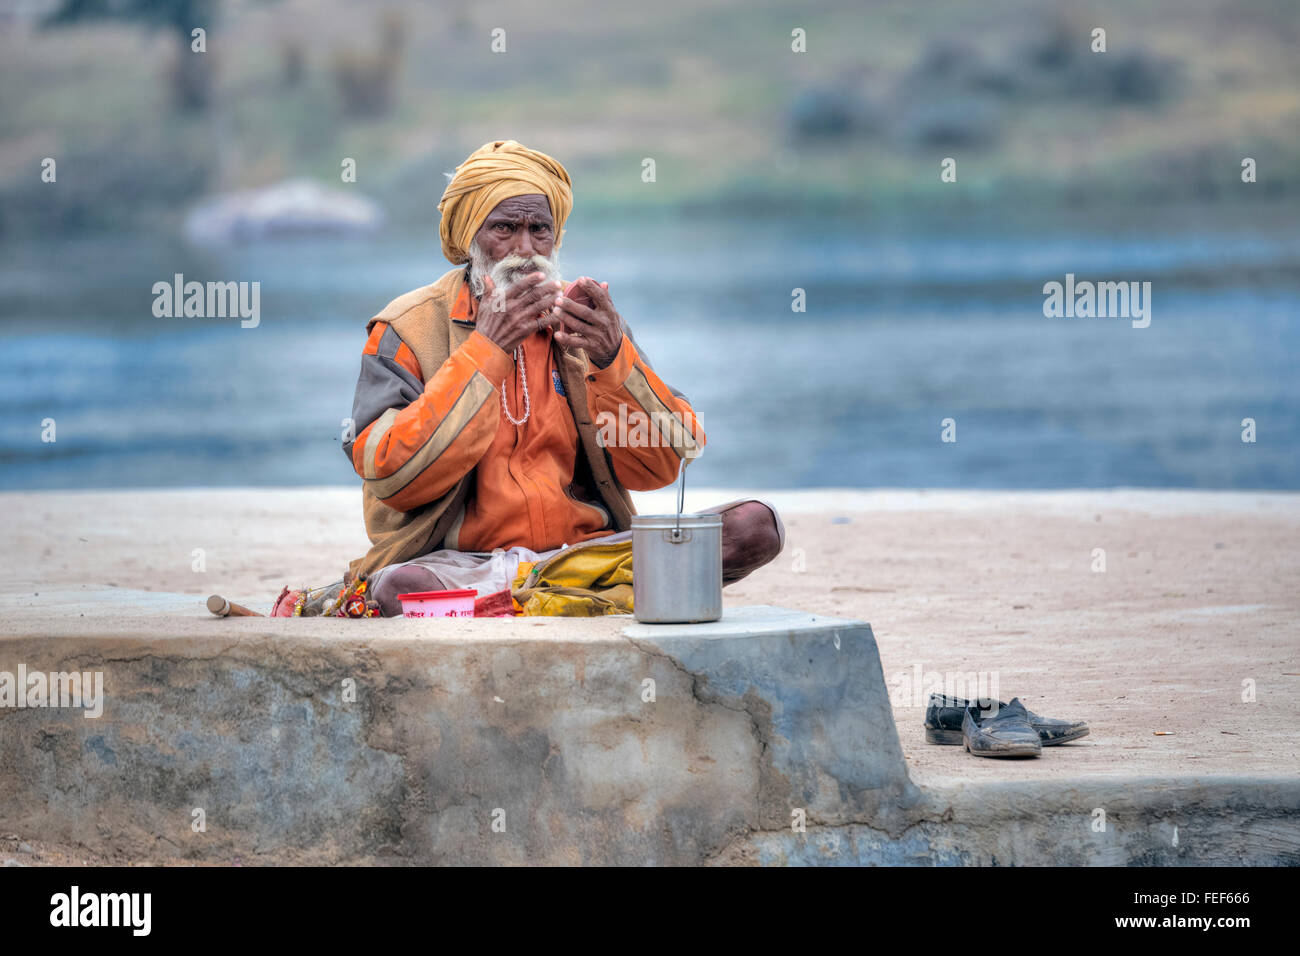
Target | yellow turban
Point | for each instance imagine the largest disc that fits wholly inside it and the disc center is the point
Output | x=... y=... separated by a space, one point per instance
x=493 y=172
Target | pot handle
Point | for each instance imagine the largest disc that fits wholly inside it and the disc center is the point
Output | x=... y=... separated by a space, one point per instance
x=681 y=499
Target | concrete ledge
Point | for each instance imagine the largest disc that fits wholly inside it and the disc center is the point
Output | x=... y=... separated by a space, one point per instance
x=537 y=724
x=1226 y=821
x=542 y=741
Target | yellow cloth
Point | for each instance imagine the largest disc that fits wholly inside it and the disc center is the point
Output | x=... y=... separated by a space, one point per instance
x=587 y=580
x=493 y=172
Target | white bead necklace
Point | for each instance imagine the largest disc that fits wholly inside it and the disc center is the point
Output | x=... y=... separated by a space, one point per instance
x=523 y=378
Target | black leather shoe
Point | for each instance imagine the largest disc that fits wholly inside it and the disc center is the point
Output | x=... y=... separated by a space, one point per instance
x=943 y=720
x=1008 y=734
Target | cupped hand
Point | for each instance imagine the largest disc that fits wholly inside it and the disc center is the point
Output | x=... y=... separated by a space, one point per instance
x=508 y=316
x=597 y=329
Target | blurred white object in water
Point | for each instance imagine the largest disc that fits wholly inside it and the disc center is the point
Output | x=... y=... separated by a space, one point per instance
x=295 y=207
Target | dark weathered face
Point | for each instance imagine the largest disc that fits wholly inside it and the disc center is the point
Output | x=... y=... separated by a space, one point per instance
x=521 y=226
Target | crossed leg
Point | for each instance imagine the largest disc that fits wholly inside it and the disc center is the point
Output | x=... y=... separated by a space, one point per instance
x=752 y=535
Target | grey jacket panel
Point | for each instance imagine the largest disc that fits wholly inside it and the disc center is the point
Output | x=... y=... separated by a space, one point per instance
x=382 y=384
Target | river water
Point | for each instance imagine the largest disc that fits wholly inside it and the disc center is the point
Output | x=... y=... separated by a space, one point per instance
x=905 y=325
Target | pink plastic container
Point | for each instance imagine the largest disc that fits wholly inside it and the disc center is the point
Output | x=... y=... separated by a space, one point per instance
x=438 y=603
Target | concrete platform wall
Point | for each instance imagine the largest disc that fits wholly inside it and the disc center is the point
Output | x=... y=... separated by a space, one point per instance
x=545 y=742
x=513 y=744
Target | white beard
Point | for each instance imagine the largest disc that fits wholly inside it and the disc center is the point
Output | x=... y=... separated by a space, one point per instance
x=507 y=271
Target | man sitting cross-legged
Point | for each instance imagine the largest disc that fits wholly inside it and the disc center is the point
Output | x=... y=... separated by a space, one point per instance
x=484 y=400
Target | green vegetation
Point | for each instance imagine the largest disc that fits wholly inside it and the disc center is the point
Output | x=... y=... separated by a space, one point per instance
x=712 y=92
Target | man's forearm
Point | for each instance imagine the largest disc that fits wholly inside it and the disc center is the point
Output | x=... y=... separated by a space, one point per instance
x=646 y=428
x=412 y=455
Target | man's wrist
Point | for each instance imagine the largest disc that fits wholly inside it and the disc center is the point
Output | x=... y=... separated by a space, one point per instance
x=491 y=359
x=612 y=376
x=609 y=360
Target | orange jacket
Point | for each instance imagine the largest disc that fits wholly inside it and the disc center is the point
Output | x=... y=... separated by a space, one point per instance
x=524 y=488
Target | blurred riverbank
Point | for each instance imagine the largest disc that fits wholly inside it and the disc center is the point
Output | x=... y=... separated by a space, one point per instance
x=796 y=153
x=714 y=93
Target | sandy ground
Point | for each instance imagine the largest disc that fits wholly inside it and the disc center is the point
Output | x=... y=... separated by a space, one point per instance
x=1198 y=599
